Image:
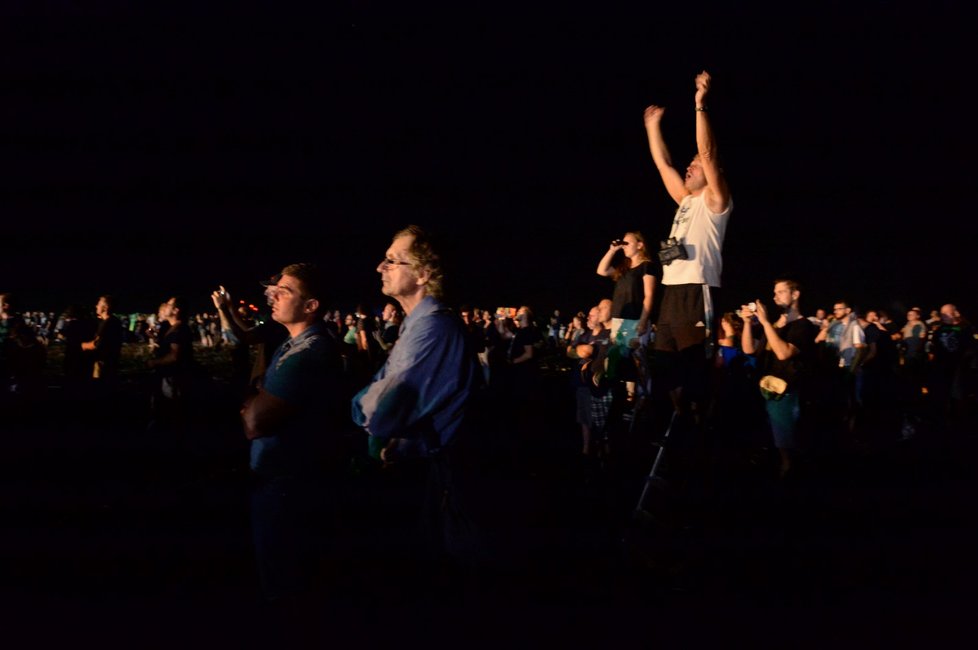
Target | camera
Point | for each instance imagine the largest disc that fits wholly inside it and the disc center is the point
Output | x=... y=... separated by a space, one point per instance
x=618 y=242
x=670 y=250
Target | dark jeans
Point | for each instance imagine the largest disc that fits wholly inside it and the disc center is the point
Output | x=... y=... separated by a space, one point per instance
x=287 y=521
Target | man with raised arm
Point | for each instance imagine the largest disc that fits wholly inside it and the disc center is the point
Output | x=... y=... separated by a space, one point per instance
x=787 y=351
x=692 y=261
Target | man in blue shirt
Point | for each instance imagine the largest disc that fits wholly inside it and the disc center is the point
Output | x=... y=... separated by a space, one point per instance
x=291 y=425
x=416 y=402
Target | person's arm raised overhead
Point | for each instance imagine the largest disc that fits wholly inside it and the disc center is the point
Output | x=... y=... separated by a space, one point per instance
x=716 y=195
x=660 y=154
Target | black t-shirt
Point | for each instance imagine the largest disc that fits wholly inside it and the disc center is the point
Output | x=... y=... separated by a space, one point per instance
x=800 y=333
x=390 y=333
x=108 y=341
x=885 y=349
x=629 y=294
x=181 y=336
x=952 y=343
x=524 y=336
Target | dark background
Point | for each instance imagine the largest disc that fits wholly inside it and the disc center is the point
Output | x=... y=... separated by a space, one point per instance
x=167 y=149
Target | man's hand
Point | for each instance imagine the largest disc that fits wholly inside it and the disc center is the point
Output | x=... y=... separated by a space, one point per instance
x=653 y=115
x=761 y=313
x=221 y=298
x=584 y=351
x=702 y=88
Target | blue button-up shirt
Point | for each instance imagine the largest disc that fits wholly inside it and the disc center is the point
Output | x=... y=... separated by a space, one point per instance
x=421 y=392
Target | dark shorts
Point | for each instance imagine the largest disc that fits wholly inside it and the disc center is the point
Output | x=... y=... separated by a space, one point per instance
x=681 y=321
x=680 y=332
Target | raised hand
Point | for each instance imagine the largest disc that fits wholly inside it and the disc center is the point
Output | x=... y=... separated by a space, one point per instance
x=653 y=114
x=702 y=87
x=221 y=298
x=761 y=312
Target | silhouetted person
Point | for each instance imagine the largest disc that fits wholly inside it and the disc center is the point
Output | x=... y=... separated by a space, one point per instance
x=76 y=328
x=173 y=363
x=107 y=344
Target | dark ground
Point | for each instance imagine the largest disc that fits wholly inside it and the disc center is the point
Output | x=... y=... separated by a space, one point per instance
x=116 y=534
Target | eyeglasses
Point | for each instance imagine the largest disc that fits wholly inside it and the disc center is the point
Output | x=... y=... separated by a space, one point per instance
x=272 y=292
x=386 y=264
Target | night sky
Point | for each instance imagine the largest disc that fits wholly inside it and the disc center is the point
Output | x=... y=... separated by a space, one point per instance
x=158 y=151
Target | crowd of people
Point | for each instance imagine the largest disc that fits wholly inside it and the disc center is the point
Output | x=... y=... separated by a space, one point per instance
x=415 y=376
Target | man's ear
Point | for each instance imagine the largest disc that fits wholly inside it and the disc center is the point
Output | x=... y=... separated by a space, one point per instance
x=312 y=305
x=424 y=274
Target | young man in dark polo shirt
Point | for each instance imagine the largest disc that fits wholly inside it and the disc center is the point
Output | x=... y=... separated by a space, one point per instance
x=291 y=425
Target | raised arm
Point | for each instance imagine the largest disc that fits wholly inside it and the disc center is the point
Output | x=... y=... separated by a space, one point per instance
x=747 y=342
x=781 y=348
x=660 y=154
x=230 y=321
x=716 y=195
x=605 y=268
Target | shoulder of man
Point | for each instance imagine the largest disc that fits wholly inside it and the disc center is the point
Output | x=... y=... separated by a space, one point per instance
x=803 y=329
x=442 y=317
x=314 y=355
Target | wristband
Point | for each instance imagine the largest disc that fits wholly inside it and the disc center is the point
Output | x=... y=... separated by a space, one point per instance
x=701 y=109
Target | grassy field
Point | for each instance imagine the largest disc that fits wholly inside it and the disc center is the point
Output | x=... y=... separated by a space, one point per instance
x=215 y=362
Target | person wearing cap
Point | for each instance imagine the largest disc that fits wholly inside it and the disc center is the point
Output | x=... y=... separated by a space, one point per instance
x=292 y=423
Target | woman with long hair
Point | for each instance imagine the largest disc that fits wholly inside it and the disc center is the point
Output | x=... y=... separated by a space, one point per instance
x=636 y=277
